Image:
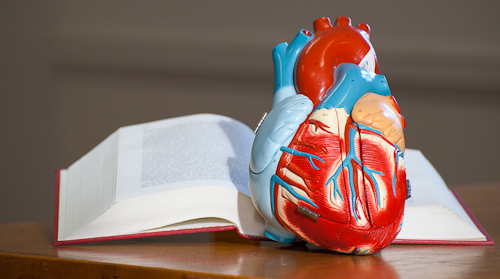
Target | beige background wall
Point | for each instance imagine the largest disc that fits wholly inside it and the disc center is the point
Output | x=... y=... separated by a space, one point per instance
x=72 y=72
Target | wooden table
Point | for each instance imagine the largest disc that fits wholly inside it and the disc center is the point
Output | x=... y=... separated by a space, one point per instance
x=26 y=251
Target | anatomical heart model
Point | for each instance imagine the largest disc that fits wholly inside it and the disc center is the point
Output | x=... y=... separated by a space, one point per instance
x=327 y=162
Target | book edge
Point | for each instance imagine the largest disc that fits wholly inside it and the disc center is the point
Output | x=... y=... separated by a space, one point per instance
x=56 y=207
x=57 y=242
x=488 y=242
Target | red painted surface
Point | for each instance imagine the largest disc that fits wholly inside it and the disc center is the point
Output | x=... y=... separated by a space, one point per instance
x=337 y=228
x=331 y=46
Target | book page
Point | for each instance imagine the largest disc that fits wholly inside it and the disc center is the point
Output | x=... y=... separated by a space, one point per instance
x=428 y=188
x=416 y=173
x=436 y=222
x=182 y=152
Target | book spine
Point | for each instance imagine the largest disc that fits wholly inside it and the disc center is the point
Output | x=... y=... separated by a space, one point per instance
x=56 y=208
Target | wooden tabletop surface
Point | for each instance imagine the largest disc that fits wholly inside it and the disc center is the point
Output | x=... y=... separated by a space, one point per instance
x=26 y=251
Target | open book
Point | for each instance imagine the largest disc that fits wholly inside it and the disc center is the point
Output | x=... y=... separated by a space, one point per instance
x=189 y=174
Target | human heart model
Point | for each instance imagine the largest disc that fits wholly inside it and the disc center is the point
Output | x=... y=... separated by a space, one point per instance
x=327 y=162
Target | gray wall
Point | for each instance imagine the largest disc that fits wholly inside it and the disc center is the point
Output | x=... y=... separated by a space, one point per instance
x=72 y=72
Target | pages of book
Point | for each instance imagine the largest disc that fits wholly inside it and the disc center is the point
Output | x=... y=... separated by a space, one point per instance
x=433 y=212
x=88 y=187
x=140 y=178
